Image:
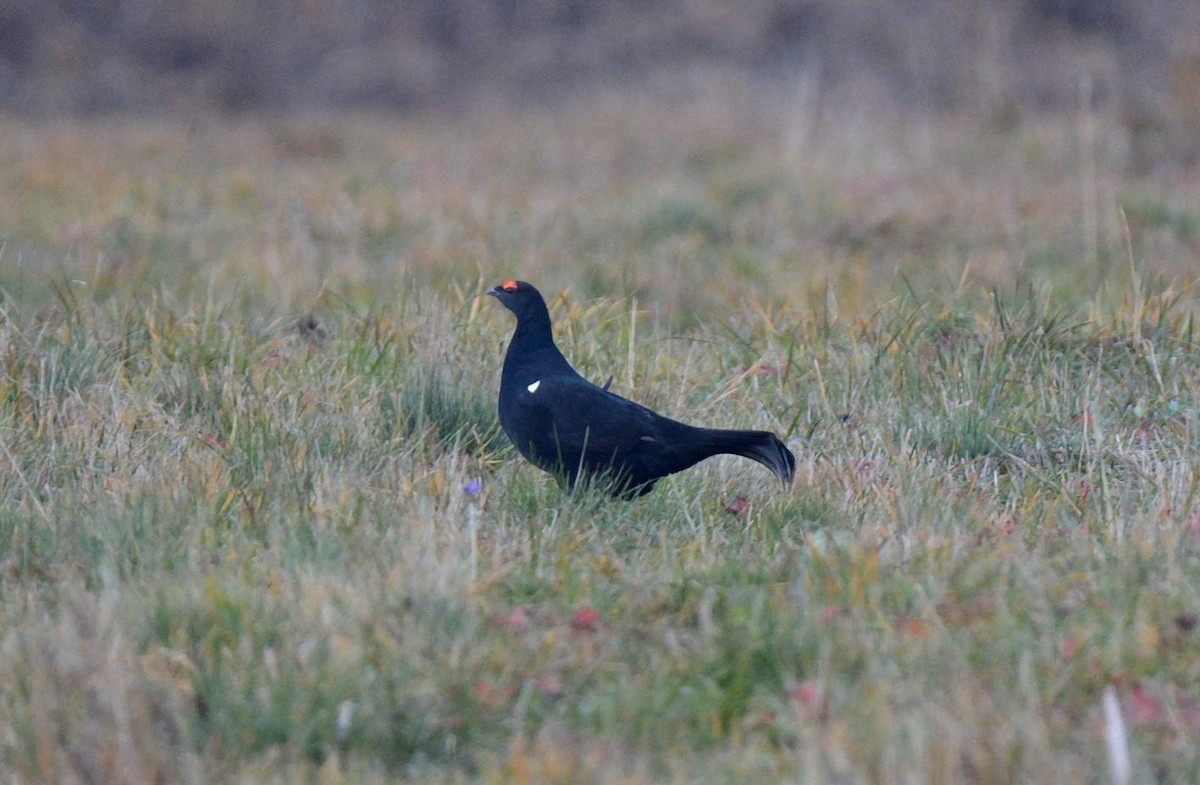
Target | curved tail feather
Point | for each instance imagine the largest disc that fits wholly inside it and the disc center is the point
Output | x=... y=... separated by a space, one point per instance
x=762 y=446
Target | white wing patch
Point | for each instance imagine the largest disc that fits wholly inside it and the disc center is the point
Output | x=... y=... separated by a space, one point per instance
x=534 y=387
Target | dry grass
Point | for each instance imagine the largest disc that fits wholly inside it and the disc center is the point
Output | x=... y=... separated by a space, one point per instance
x=246 y=390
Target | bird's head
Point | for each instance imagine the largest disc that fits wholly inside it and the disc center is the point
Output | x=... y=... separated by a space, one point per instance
x=520 y=298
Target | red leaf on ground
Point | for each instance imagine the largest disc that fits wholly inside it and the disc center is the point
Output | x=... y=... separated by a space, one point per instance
x=738 y=506
x=491 y=695
x=550 y=685
x=514 y=620
x=1143 y=709
x=912 y=628
x=808 y=695
x=585 y=619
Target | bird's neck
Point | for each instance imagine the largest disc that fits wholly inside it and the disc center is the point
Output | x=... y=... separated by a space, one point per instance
x=534 y=327
x=533 y=343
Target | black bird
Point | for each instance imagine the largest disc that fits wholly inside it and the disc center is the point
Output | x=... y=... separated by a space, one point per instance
x=566 y=425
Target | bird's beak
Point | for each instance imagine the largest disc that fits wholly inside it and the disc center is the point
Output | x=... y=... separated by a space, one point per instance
x=494 y=291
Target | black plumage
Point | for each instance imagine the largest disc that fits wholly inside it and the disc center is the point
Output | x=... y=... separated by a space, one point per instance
x=569 y=427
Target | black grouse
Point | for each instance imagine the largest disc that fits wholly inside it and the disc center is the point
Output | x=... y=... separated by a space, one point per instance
x=566 y=425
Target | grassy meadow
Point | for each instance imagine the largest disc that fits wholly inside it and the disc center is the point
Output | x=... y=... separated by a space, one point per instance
x=258 y=523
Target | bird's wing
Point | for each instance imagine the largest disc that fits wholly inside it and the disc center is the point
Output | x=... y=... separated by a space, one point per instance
x=586 y=417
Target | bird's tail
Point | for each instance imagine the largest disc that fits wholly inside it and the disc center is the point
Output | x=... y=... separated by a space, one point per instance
x=762 y=446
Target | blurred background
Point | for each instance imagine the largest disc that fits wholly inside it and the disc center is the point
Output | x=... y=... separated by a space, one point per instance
x=599 y=145
x=998 y=57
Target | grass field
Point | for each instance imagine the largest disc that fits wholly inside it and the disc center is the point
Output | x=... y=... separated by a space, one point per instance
x=257 y=522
